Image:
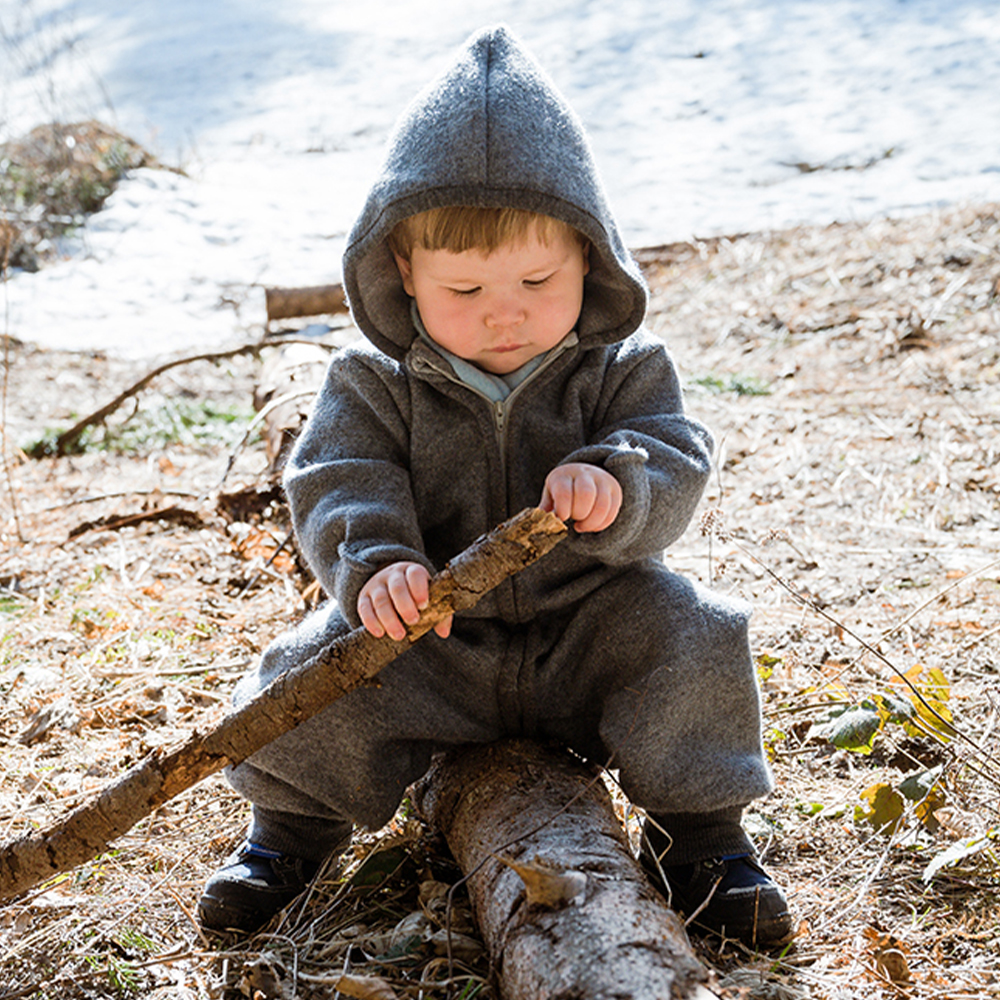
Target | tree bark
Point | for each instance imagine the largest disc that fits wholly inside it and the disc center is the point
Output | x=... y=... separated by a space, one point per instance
x=603 y=932
x=290 y=699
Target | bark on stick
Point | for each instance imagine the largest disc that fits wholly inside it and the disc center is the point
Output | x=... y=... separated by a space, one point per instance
x=289 y=700
x=608 y=935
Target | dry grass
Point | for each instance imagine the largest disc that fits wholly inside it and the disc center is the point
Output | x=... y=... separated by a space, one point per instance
x=52 y=178
x=860 y=499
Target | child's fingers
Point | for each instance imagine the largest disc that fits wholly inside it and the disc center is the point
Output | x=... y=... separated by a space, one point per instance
x=386 y=611
x=392 y=599
x=607 y=503
x=443 y=628
x=418 y=580
x=547 y=503
x=584 y=496
x=559 y=492
x=369 y=616
x=378 y=615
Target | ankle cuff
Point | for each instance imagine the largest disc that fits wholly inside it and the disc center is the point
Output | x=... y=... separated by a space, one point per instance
x=311 y=838
x=683 y=838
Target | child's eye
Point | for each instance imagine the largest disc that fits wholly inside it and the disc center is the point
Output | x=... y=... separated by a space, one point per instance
x=537 y=282
x=463 y=292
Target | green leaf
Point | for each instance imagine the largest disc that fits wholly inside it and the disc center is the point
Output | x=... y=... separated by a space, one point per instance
x=918 y=786
x=959 y=851
x=931 y=714
x=894 y=708
x=854 y=728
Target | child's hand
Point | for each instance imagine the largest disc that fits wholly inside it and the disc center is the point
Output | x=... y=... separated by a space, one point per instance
x=395 y=595
x=584 y=494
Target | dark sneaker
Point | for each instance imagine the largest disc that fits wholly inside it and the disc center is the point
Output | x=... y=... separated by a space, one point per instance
x=251 y=887
x=733 y=897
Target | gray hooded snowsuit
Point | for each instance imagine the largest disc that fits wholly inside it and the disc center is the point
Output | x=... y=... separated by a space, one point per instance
x=597 y=645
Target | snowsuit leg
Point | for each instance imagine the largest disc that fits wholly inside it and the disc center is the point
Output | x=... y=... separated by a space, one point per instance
x=352 y=762
x=649 y=672
x=656 y=671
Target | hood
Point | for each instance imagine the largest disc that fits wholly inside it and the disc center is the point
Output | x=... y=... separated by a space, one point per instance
x=491 y=131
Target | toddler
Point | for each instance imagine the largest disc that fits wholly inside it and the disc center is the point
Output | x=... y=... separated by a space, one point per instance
x=506 y=367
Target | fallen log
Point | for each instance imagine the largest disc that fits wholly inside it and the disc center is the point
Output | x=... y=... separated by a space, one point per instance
x=313 y=300
x=289 y=700
x=563 y=907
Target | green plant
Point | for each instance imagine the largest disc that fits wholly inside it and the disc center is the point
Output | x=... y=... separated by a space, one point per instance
x=122 y=976
x=917 y=701
x=742 y=385
x=185 y=422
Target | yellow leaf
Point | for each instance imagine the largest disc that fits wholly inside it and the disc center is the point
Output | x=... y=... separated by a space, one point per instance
x=886 y=807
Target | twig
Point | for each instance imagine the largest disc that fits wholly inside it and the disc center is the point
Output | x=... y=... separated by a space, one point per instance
x=979 y=638
x=946 y=725
x=98 y=497
x=66 y=441
x=6 y=383
x=936 y=597
x=258 y=417
x=274 y=555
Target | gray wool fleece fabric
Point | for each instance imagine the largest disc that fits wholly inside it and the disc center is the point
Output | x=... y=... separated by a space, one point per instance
x=597 y=645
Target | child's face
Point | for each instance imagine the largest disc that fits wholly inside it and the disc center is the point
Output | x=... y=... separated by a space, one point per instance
x=502 y=310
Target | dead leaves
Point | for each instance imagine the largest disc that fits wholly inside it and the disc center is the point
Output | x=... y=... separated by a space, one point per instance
x=365 y=988
x=267 y=977
x=548 y=886
x=886 y=956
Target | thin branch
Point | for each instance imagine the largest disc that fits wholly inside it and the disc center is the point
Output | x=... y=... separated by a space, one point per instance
x=6 y=382
x=947 y=726
x=67 y=441
x=258 y=417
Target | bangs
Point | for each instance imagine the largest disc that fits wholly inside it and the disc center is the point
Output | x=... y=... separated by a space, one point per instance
x=458 y=228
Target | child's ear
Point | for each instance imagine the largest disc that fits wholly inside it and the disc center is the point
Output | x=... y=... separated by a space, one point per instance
x=405 y=272
x=586 y=257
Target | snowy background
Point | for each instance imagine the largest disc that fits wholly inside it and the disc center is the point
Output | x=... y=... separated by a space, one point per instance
x=707 y=117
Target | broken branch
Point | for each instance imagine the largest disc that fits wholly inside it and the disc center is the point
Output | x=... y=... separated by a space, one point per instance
x=345 y=664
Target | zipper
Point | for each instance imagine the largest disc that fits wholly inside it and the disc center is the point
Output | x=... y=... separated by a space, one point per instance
x=501 y=408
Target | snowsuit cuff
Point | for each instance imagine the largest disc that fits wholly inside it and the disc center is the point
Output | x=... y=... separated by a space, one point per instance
x=683 y=838
x=311 y=838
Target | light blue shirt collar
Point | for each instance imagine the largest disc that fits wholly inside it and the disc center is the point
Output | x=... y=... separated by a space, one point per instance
x=494 y=387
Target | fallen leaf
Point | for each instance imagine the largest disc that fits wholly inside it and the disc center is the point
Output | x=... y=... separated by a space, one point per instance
x=365 y=988
x=266 y=977
x=959 y=851
x=889 y=954
x=885 y=807
x=547 y=885
x=464 y=948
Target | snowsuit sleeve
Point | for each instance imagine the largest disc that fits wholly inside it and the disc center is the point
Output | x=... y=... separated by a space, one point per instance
x=348 y=481
x=661 y=458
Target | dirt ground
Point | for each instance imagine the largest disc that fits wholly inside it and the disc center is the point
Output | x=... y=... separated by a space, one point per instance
x=851 y=375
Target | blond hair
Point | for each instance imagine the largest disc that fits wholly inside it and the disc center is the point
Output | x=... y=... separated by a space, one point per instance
x=457 y=228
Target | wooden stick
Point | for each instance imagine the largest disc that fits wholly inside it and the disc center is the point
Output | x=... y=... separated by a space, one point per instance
x=290 y=699
x=314 y=300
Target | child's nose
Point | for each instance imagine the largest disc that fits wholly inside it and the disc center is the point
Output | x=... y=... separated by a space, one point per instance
x=505 y=311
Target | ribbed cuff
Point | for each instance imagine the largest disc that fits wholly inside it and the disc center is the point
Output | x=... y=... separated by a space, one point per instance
x=683 y=838
x=308 y=837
